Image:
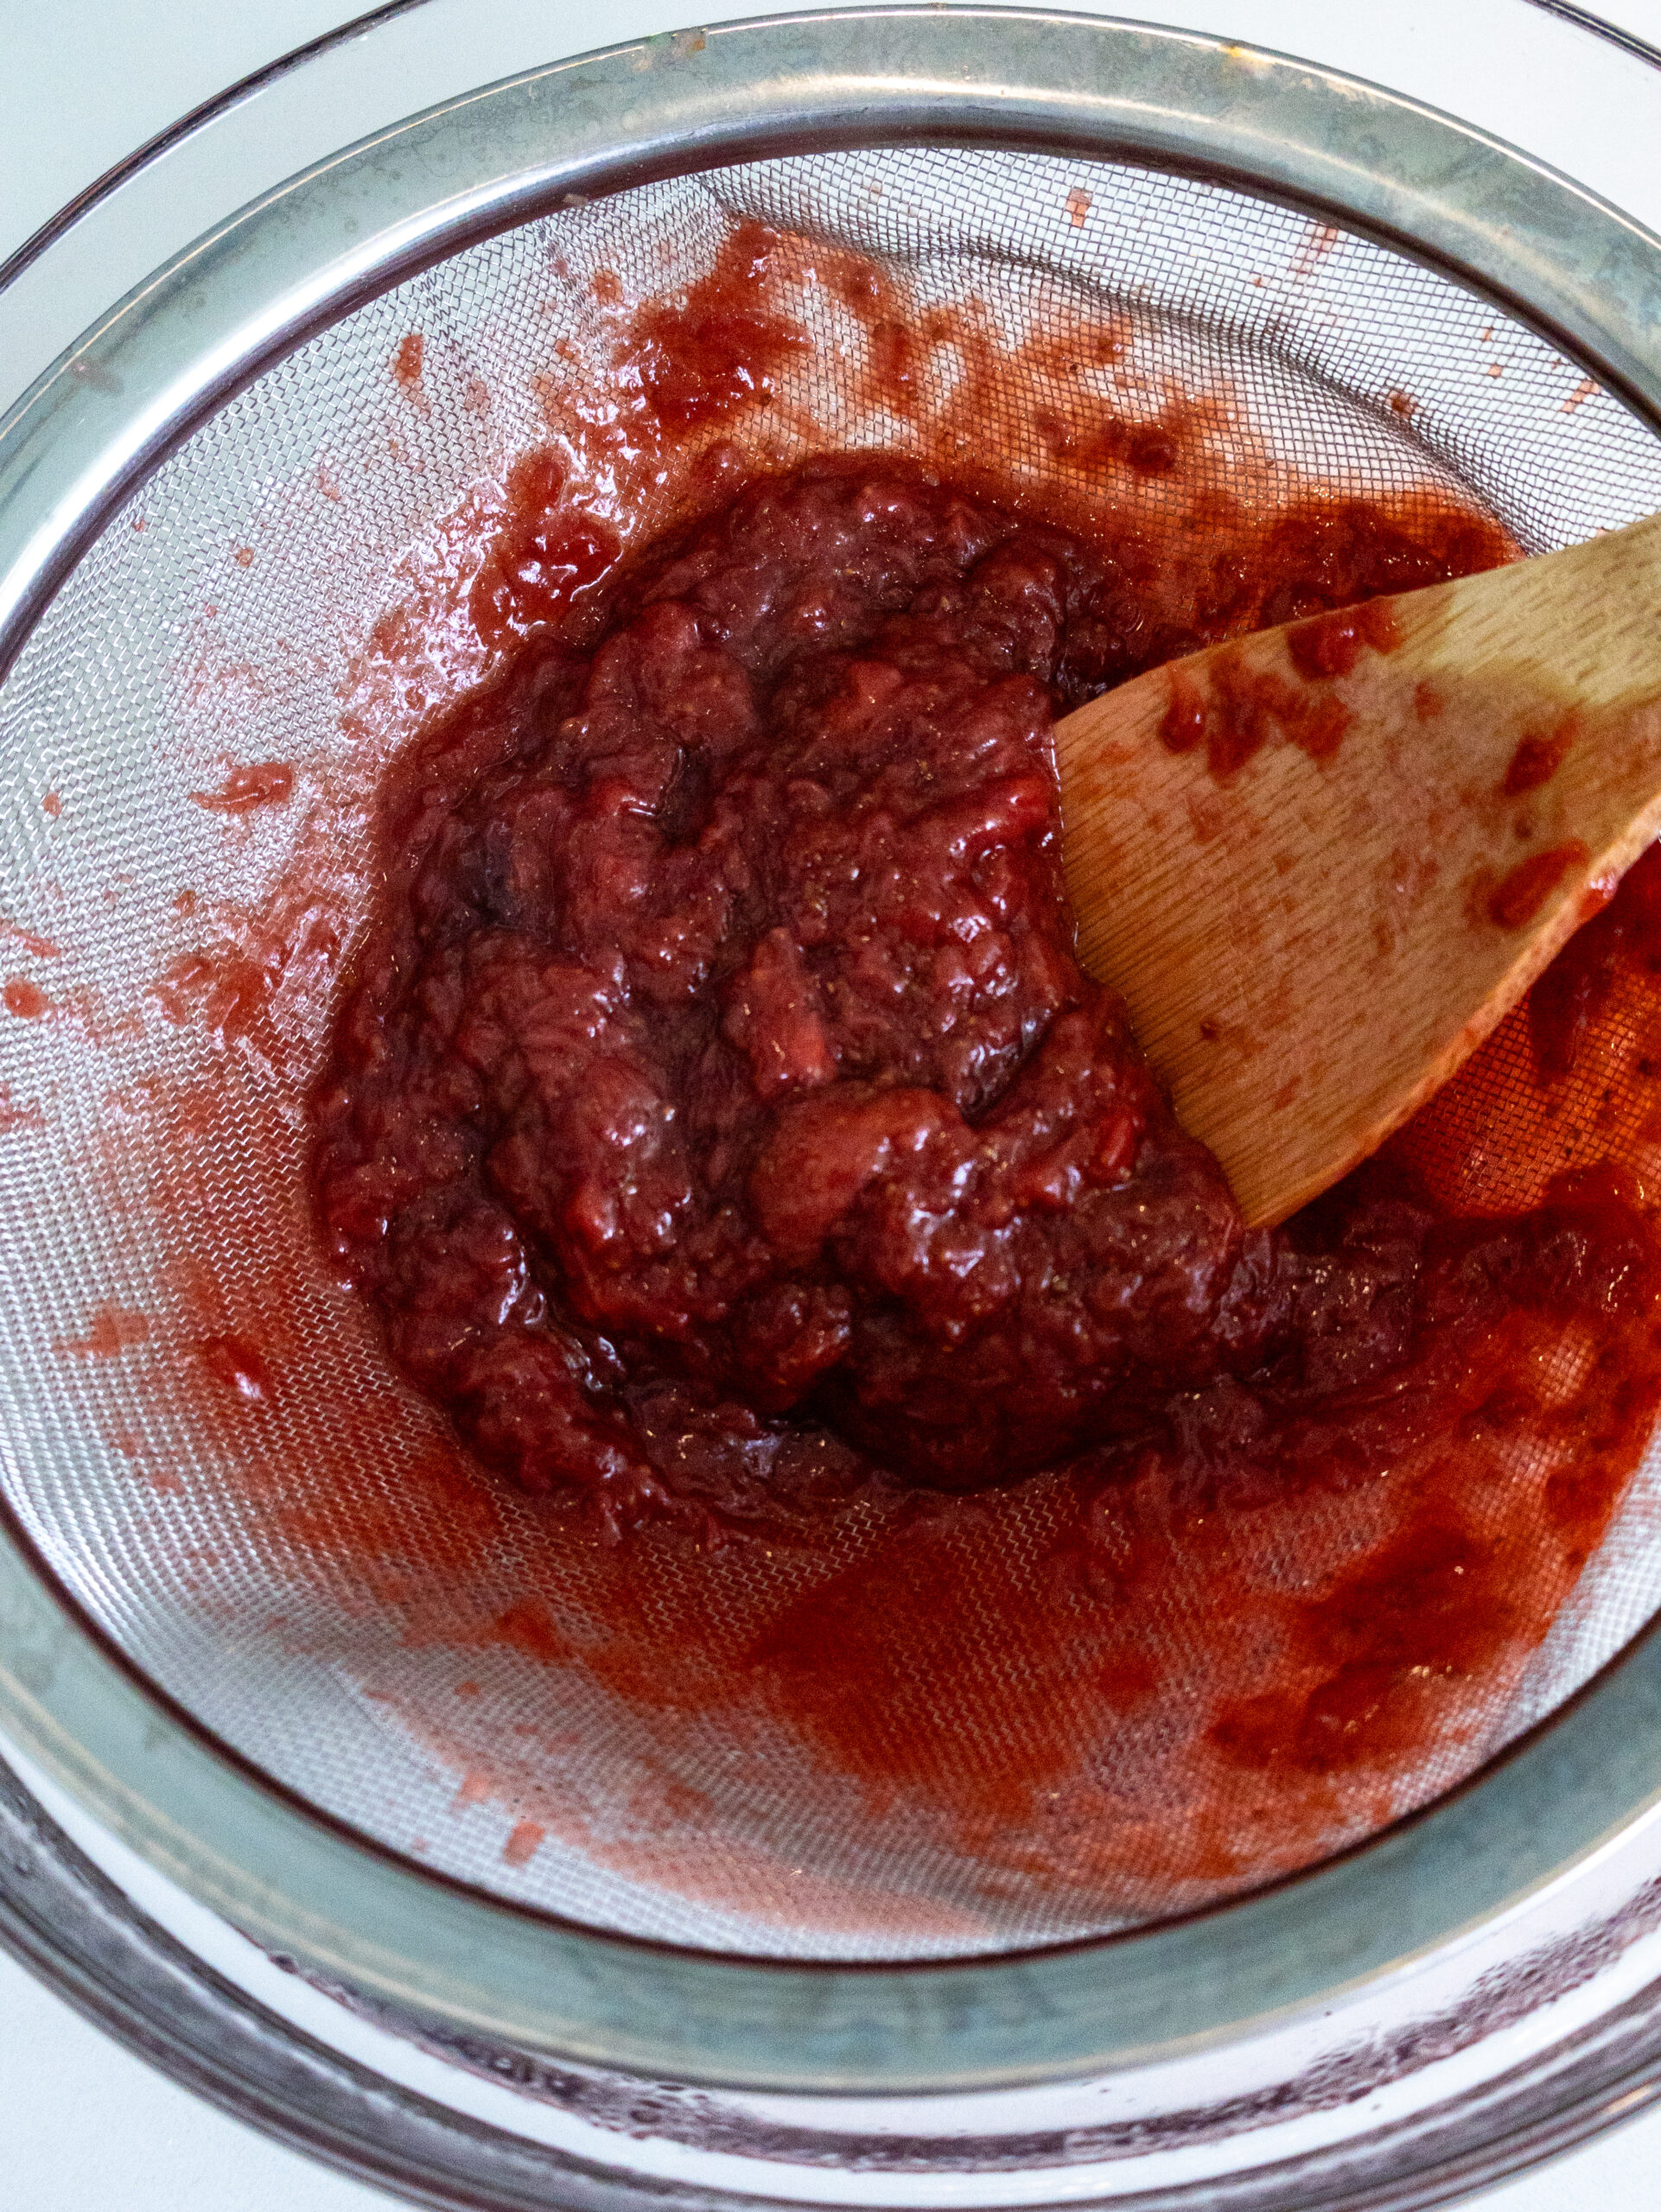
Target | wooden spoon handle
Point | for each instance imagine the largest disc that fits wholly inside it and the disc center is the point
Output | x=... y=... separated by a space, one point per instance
x=1321 y=863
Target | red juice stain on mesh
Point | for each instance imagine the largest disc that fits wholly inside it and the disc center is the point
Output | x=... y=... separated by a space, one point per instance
x=407 y=360
x=1317 y=245
x=1572 y=1003
x=525 y=1842
x=111 y=1330
x=238 y=1365
x=226 y=991
x=894 y=1667
x=25 y=999
x=899 y=357
x=29 y=941
x=1479 y=1564
x=288 y=1460
x=261 y=783
x=14 y=1115
x=258 y=981
x=1328 y=1662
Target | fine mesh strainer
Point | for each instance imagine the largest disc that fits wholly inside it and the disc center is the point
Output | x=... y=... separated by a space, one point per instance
x=205 y=1449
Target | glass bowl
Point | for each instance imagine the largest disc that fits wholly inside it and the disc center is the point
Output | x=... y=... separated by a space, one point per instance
x=1477 y=1986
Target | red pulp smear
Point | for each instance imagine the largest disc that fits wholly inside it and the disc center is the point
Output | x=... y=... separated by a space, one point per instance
x=540 y=560
x=1537 y=759
x=719 y=350
x=1331 y=644
x=1524 y=889
x=1235 y=710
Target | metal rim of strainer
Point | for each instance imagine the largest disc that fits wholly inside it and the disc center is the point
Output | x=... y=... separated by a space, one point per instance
x=147 y=374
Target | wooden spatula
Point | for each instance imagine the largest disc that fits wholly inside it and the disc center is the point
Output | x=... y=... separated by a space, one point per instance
x=1321 y=863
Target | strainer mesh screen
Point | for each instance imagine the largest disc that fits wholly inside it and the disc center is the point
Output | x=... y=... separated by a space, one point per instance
x=288 y=1547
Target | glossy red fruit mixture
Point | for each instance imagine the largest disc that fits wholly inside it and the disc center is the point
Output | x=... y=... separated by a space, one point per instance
x=719 y=1119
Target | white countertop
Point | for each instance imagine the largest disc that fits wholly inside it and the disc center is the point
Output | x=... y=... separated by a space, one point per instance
x=84 y=2127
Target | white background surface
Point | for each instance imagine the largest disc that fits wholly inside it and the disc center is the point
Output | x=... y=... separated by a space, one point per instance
x=84 y=2127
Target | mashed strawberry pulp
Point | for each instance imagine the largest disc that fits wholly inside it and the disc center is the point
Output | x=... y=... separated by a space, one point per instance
x=720 y=1122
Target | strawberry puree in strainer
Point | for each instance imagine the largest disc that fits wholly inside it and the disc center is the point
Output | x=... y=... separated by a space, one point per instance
x=719 y=1112
x=1251 y=1531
